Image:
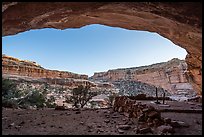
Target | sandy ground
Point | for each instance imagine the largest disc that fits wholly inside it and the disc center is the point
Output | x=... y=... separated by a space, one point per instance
x=87 y=121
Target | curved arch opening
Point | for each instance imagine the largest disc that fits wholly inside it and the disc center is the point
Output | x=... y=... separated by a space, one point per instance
x=180 y=23
x=92 y=48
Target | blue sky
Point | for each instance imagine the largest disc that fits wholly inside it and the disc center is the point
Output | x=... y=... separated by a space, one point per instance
x=92 y=48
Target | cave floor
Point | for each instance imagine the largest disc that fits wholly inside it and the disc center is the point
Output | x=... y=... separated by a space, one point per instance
x=90 y=121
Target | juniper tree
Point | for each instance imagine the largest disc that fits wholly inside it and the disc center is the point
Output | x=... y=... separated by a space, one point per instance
x=81 y=95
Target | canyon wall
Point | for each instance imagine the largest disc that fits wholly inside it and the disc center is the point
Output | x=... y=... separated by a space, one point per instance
x=170 y=75
x=14 y=66
x=24 y=70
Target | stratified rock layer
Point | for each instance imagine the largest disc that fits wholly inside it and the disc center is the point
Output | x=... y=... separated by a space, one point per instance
x=180 y=22
x=14 y=66
x=23 y=70
x=171 y=76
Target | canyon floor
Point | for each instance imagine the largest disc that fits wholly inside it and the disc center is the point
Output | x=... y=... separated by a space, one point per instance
x=93 y=121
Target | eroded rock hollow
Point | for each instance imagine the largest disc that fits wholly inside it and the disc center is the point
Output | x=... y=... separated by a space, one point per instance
x=179 y=22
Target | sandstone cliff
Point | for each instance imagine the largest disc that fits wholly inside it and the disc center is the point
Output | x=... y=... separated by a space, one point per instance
x=170 y=75
x=14 y=66
x=23 y=70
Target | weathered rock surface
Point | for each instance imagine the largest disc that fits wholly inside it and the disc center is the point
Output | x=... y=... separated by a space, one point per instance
x=14 y=66
x=165 y=129
x=19 y=70
x=171 y=76
x=149 y=119
x=179 y=22
x=137 y=88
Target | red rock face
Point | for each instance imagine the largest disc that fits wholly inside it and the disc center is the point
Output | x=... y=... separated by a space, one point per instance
x=14 y=66
x=179 y=22
x=171 y=75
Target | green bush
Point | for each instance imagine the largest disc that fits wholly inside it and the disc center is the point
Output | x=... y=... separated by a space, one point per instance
x=26 y=97
x=50 y=103
x=9 y=103
x=9 y=93
x=8 y=88
x=81 y=95
x=34 y=98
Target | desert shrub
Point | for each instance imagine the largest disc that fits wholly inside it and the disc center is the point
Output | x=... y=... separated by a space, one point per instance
x=93 y=104
x=111 y=99
x=26 y=96
x=33 y=98
x=81 y=95
x=50 y=103
x=9 y=103
x=8 y=88
x=9 y=93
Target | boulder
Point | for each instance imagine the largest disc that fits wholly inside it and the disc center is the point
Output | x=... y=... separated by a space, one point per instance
x=167 y=120
x=60 y=108
x=154 y=114
x=144 y=130
x=165 y=129
x=123 y=127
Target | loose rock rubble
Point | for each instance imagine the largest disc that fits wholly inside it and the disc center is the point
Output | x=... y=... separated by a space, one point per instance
x=148 y=118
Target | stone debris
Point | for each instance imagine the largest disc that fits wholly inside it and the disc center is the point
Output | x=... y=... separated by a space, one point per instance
x=178 y=124
x=154 y=114
x=144 y=130
x=107 y=116
x=4 y=118
x=17 y=127
x=60 y=108
x=129 y=122
x=106 y=120
x=11 y=125
x=124 y=119
x=54 y=115
x=105 y=111
x=164 y=129
x=21 y=123
x=157 y=122
x=146 y=115
x=68 y=113
x=150 y=124
x=126 y=114
x=115 y=116
x=120 y=131
x=164 y=105
x=167 y=120
x=89 y=126
x=97 y=111
x=175 y=124
x=197 y=122
x=52 y=125
x=123 y=127
x=100 y=130
x=134 y=88
x=183 y=124
x=77 y=112
x=99 y=126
